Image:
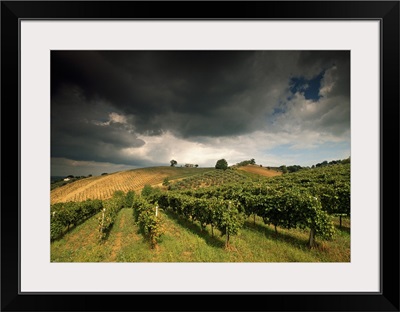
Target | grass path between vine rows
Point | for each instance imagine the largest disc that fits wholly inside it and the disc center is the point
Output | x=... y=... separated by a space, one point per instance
x=83 y=245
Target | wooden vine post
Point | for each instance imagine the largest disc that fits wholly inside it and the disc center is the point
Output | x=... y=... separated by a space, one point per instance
x=102 y=224
x=311 y=240
x=227 y=237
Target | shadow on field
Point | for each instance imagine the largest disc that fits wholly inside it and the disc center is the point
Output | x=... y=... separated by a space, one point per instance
x=270 y=234
x=106 y=236
x=195 y=228
x=344 y=229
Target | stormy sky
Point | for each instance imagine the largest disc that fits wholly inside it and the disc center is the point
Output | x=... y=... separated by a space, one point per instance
x=119 y=110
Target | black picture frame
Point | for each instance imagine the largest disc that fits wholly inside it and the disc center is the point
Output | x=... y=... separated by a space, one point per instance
x=385 y=300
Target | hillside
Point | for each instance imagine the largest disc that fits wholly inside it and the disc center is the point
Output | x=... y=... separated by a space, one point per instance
x=260 y=170
x=102 y=187
x=270 y=219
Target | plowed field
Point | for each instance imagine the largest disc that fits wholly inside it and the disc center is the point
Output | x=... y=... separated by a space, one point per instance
x=102 y=187
x=260 y=170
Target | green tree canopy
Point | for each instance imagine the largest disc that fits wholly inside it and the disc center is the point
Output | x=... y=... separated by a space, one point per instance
x=221 y=164
x=173 y=162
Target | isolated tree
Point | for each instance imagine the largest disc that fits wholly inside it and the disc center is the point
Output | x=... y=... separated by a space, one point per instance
x=252 y=161
x=221 y=164
x=283 y=169
x=173 y=162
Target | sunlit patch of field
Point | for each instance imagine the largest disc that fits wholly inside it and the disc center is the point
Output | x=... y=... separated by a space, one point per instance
x=102 y=187
x=260 y=170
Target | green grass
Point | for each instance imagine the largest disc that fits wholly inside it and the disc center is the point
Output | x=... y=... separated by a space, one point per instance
x=184 y=241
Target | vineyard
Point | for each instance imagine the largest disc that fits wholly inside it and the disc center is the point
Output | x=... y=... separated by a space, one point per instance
x=227 y=210
x=103 y=187
x=211 y=178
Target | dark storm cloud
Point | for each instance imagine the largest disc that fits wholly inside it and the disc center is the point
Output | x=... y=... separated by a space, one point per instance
x=196 y=86
x=89 y=129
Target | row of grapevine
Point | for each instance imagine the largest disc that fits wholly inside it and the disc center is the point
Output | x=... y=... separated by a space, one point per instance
x=334 y=198
x=290 y=209
x=111 y=207
x=148 y=218
x=63 y=215
x=330 y=184
x=221 y=214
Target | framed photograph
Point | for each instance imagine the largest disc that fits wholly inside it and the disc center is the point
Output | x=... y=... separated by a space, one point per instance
x=242 y=155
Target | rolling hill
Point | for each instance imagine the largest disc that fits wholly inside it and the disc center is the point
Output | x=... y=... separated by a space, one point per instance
x=102 y=187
